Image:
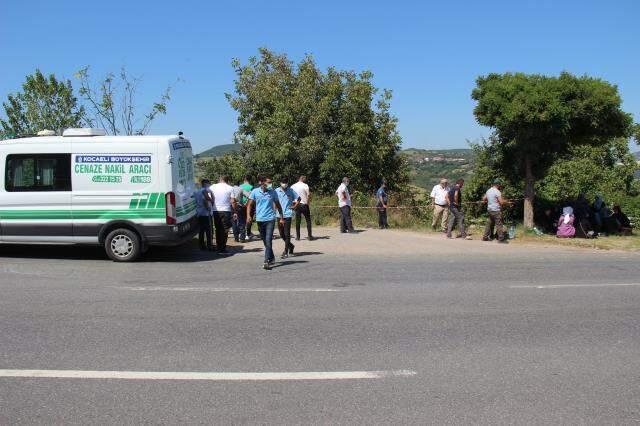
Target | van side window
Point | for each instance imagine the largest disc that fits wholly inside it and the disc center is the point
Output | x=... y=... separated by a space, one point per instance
x=38 y=172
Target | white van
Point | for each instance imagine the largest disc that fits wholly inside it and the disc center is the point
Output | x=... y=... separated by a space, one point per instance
x=124 y=193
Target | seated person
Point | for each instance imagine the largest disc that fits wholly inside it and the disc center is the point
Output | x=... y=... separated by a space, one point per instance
x=565 y=224
x=623 y=222
x=548 y=222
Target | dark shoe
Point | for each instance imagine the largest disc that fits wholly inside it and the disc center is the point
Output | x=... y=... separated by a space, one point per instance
x=486 y=239
x=291 y=248
x=284 y=255
x=309 y=239
x=237 y=240
x=266 y=266
x=450 y=237
x=503 y=241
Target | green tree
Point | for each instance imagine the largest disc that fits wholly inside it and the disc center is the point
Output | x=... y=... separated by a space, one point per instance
x=296 y=119
x=112 y=103
x=604 y=169
x=538 y=118
x=44 y=103
x=231 y=165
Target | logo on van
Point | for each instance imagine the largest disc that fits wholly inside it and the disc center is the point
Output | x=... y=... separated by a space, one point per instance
x=147 y=200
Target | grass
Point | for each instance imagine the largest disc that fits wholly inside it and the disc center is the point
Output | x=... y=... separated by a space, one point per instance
x=613 y=242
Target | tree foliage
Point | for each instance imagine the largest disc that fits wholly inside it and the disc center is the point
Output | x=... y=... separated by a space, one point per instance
x=538 y=118
x=295 y=120
x=44 y=103
x=231 y=165
x=112 y=103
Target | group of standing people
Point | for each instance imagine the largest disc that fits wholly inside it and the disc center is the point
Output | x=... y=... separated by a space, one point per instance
x=225 y=207
x=448 y=211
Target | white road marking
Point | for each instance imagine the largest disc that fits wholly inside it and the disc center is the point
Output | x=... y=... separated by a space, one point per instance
x=237 y=290
x=211 y=376
x=575 y=285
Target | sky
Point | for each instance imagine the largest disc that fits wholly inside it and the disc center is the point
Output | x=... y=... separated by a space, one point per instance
x=428 y=53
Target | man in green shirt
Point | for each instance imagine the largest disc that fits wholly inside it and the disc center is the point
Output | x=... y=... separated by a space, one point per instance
x=246 y=188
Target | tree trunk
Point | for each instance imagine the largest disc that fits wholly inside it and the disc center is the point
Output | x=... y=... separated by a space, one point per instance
x=529 y=193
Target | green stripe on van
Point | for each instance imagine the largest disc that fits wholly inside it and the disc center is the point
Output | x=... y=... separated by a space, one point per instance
x=81 y=214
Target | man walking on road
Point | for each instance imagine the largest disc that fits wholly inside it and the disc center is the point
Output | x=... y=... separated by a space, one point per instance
x=454 y=200
x=204 y=202
x=494 y=201
x=302 y=189
x=265 y=199
x=288 y=200
x=224 y=212
x=382 y=203
x=344 y=203
x=440 y=207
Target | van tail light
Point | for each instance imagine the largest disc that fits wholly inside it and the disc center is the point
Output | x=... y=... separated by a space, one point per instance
x=170 y=206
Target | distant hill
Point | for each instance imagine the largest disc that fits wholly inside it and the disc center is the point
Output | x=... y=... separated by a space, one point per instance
x=219 y=150
x=429 y=165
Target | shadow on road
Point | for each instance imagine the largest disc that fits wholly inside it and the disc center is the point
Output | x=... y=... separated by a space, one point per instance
x=307 y=253
x=287 y=263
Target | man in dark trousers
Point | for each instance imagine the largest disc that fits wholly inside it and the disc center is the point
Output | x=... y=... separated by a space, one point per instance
x=204 y=201
x=494 y=201
x=382 y=203
x=454 y=201
x=344 y=203
x=302 y=189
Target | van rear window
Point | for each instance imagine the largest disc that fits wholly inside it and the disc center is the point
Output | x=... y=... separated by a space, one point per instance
x=38 y=172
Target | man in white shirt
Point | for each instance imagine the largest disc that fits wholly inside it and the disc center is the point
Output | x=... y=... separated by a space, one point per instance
x=302 y=189
x=344 y=203
x=224 y=208
x=440 y=207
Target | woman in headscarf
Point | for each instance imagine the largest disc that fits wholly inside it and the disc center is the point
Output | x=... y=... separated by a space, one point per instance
x=565 y=224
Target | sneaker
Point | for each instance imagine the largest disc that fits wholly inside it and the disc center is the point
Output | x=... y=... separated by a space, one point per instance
x=266 y=266
x=486 y=239
x=284 y=255
x=291 y=248
x=468 y=238
x=449 y=237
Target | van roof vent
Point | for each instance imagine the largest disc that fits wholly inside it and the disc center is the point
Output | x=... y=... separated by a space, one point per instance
x=46 y=133
x=87 y=131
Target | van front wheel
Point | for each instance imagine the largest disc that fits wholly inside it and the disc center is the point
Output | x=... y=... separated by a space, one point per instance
x=122 y=245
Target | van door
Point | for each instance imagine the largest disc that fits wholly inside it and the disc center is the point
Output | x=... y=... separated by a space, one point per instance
x=182 y=179
x=37 y=199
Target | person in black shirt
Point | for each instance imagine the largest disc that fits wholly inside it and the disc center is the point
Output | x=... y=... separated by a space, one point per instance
x=454 y=201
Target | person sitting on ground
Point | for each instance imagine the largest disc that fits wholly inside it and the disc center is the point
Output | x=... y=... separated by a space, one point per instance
x=548 y=221
x=623 y=222
x=565 y=224
x=596 y=213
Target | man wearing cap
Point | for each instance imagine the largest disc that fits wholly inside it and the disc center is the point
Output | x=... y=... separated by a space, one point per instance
x=440 y=207
x=494 y=201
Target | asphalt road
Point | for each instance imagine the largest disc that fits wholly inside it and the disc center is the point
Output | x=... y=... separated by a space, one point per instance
x=481 y=333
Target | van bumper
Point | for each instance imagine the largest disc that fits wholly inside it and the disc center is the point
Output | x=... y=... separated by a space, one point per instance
x=170 y=235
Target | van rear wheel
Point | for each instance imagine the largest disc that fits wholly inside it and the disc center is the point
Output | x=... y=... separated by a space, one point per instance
x=123 y=245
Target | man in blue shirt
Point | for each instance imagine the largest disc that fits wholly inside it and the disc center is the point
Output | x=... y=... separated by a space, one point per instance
x=288 y=200
x=265 y=199
x=204 y=202
x=382 y=202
